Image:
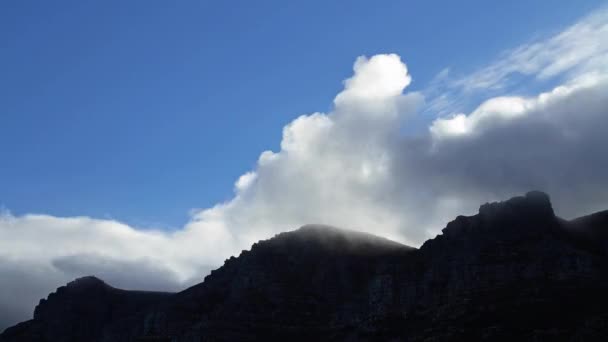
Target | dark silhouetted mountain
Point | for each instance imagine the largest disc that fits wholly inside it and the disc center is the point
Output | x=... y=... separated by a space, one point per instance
x=85 y=310
x=514 y=271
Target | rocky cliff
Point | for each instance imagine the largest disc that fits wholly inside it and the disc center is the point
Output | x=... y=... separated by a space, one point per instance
x=514 y=271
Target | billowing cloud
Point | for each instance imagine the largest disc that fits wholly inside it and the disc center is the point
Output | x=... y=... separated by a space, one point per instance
x=350 y=167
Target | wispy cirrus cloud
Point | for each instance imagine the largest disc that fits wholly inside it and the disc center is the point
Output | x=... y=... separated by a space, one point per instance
x=580 y=50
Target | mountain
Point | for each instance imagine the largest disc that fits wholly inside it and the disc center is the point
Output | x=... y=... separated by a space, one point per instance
x=514 y=271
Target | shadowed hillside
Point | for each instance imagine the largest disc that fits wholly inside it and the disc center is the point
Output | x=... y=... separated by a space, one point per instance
x=514 y=271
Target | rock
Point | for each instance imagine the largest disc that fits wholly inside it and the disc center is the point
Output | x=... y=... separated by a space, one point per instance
x=514 y=271
x=86 y=309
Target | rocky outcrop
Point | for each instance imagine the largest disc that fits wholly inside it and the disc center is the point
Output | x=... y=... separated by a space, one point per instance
x=87 y=309
x=514 y=271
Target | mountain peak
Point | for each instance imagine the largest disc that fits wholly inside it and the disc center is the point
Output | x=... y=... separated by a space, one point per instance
x=539 y=196
x=335 y=240
x=86 y=282
x=532 y=204
x=533 y=211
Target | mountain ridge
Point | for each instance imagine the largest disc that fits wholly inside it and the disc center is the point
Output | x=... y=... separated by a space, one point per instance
x=512 y=271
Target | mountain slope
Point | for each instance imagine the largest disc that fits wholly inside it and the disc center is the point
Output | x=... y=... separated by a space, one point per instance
x=514 y=271
x=86 y=309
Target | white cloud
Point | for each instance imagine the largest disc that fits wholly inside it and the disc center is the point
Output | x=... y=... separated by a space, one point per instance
x=578 y=51
x=580 y=48
x=376 y=82
x=349 y=167
x=245 y=181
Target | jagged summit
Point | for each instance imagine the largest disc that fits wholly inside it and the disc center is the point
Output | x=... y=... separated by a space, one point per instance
x=532 y=212
x=534 y=205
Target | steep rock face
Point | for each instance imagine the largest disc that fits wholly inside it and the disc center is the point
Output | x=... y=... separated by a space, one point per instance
x=514 y=271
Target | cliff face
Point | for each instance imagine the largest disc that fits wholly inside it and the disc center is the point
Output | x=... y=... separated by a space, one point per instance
x=513 y=271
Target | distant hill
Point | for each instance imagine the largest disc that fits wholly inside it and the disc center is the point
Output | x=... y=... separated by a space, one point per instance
x=512 y=272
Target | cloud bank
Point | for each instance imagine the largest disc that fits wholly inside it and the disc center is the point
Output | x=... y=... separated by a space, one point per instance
x=353 y=167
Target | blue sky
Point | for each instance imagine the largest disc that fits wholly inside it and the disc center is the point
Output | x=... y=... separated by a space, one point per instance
x=143 y=110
